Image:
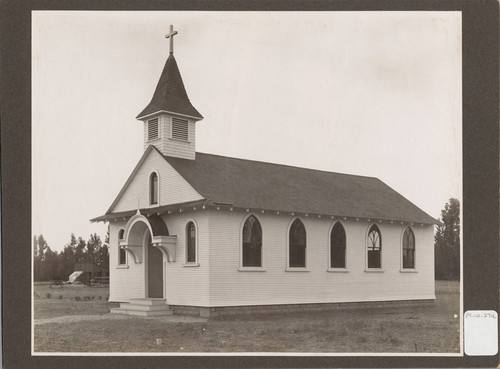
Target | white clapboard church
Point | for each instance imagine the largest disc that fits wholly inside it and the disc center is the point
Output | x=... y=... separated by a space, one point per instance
x=214 y=234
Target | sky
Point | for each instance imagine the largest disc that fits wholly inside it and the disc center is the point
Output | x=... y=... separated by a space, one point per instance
x=368 y=93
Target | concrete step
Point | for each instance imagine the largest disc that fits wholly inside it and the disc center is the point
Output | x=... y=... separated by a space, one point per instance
x=148 y=301
x=144 y=307
x=132 y=306
x=142 y=313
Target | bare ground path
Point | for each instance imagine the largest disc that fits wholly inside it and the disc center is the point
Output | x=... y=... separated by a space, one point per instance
x=120 y=317
x=64 y=325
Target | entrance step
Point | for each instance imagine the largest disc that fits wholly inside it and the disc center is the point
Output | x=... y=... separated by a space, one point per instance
x=142 y=313
x=148 y=301
x=144 y=307
x=130 y=306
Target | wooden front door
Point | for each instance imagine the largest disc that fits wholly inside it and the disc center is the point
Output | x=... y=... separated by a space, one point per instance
x=155 y=271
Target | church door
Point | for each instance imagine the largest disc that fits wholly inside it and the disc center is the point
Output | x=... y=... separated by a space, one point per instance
x=155 y=271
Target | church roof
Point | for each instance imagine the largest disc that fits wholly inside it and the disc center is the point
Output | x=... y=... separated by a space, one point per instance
x=265 y=186
x=170 y=94
x=256 y=185
x=259 y=185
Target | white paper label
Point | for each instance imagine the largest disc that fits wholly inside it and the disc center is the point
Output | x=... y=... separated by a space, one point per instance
x=481 y=332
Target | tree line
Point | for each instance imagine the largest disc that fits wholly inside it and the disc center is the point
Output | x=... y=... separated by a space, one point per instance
x=50 y=265
x=447 y=242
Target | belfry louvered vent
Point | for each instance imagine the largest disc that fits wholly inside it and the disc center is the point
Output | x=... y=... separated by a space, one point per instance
x=180 y=129
x=153 y=129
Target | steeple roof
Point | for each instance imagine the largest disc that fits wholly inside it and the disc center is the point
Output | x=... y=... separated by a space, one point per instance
x=170 y=94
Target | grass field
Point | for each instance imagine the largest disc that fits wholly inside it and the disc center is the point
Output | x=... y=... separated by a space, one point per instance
x=63 y=324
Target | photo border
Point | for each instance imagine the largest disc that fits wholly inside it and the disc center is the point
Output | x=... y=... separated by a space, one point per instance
x=480 y=62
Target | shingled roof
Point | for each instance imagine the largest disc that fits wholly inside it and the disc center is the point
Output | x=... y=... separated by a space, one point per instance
x=259 y=185
x=251 y=184
x=170 y=94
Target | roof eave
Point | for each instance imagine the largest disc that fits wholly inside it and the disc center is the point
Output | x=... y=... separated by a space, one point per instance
x=148 y=211
x=149 y=115
x=218 y=205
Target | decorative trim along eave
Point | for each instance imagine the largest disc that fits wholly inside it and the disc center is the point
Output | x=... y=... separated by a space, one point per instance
x=167 y=246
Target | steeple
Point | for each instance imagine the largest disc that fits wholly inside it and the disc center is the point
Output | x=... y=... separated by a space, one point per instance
x=170 y=94
x=169 y=119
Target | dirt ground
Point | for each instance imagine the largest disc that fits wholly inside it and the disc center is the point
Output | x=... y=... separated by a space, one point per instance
x=70 y=300
x=63 y=324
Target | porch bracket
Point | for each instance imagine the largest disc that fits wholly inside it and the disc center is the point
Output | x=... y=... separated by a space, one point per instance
x=135 y=251
x=167 y=245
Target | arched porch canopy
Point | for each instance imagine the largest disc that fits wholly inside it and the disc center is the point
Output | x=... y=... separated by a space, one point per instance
x=134 y=238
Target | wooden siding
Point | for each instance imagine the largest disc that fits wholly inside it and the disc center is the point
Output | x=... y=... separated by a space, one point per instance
x=188 y=285
x=275 y=285
x=172 y=147
x=173 y=188
x=183 y=285
x=124 y=282
x=216 y=281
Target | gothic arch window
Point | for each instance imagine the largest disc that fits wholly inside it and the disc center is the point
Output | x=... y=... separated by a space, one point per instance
x=337 y=246
x=153 y=189
x=190 y=243
x=122 y=254
x=374 y=248
x=252 y=243
x=297 y=245
x=408 y=249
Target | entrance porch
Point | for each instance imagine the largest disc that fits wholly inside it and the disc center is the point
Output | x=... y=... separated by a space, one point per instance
x=147 y=306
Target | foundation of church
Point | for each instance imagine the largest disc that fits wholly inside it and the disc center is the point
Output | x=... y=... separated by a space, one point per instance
x=209 y=312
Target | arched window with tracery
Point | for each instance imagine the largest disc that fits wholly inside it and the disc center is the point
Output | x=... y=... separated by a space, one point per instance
x=252 y=243
x=408 y=249
x=374 y=247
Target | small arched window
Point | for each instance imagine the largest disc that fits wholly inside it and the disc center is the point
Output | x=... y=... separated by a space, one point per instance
x=408 y=249
x=122 y=254
x=337 y=246
x=297 y=245
x=252 y=243
x=153 y=189
x=374 y=245
x=191 y=242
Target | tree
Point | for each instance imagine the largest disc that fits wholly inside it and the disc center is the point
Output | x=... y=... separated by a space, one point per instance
x=447 y=242
x=67 y=259
x=37 y=261
x=100 y=251
x=80 y=250
x=103 y=257
x=35 y=246
x=94 y=245
x=45 y=260
x=50 y=264
x=42 y=246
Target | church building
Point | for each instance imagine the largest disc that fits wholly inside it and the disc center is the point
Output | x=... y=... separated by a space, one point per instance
x=198 y=233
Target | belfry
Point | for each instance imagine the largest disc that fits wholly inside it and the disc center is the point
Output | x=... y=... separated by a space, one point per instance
x=170 y=118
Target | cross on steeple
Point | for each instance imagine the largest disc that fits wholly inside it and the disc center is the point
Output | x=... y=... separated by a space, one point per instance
x=171 y=35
